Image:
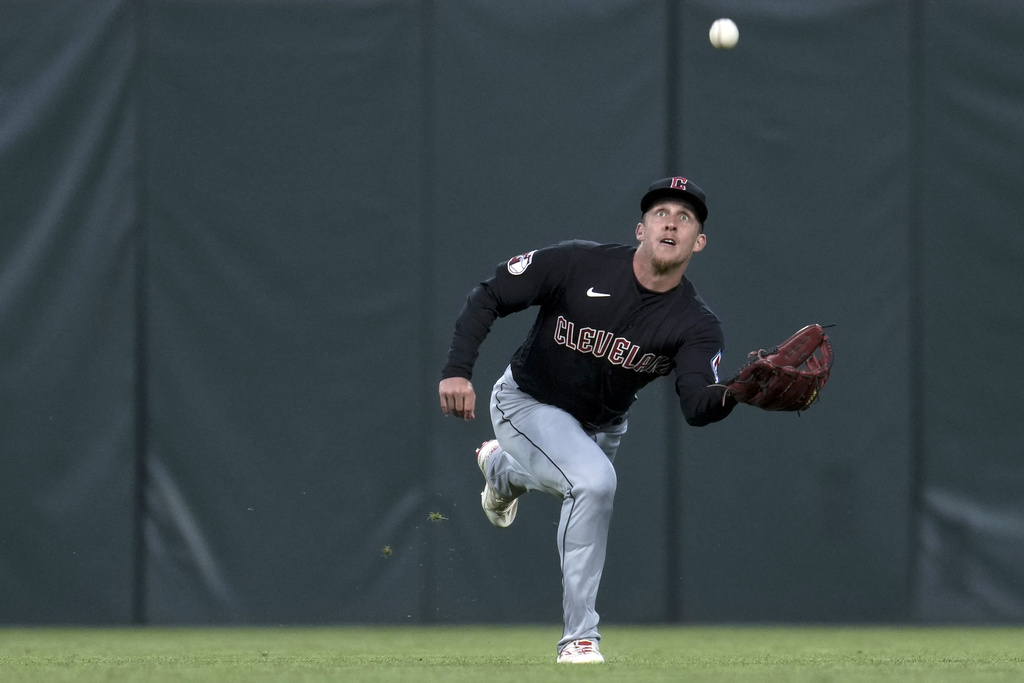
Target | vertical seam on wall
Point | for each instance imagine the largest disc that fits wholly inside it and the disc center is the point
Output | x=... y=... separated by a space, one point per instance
x=428 y=589
x=673 y=512
x=915 y=336
x=141 y=345
x=673 y=32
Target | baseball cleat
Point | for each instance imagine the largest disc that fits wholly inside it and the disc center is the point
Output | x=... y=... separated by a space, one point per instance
x=580 y=652
x=501 y=512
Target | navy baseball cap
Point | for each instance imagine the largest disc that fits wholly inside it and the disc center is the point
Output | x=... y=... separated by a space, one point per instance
x=677 y=188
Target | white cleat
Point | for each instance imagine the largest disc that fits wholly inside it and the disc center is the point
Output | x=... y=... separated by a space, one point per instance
x=501 y=512
x=580 y=652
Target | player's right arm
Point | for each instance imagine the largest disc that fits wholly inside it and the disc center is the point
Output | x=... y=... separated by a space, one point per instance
x=515 y=286
x=471 y=328
x=457 y=397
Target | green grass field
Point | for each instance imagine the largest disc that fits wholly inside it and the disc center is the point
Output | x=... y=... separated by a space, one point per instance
x=466 y=653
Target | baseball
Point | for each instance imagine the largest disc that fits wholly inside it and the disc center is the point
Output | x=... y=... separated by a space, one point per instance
x=724 y=34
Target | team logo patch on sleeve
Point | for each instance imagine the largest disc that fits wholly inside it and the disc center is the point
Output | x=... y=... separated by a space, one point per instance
x=715 y=362
x=517 y=265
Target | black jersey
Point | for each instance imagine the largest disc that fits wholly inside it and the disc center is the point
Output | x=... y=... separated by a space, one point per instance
x=599 y=336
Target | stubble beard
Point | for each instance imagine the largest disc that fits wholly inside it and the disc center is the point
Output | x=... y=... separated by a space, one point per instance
x=664 y=266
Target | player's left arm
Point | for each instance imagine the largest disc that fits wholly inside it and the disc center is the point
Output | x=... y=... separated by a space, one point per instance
x=702 y=405
x=701 y=399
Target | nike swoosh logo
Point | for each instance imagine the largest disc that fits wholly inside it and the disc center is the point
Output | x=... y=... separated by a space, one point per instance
x=591 y=293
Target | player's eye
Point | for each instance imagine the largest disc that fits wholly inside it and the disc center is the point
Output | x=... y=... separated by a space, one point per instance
x=684 y=216
x=661 y=213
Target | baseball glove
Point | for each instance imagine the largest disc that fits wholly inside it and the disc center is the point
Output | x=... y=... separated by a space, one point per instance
x=788 y=377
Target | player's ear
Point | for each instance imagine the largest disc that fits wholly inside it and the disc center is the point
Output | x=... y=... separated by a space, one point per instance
x=640 y=231
x=700 y=242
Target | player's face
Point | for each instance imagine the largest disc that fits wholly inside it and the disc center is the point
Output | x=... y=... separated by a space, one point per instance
x=669 y=234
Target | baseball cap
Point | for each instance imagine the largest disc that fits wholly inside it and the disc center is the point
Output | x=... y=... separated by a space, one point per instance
x=676 y=188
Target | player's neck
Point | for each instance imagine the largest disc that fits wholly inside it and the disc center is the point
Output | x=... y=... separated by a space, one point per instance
x=655 y=280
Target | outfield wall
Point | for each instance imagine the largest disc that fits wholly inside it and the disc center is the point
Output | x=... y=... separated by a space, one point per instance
x=234 y=237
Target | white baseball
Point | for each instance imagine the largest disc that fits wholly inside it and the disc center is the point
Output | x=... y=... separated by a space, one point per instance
x=724 y=34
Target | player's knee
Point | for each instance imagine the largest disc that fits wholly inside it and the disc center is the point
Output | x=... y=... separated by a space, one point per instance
x=598 y=485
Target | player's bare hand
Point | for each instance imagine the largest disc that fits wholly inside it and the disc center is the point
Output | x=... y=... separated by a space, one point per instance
x=457 y=397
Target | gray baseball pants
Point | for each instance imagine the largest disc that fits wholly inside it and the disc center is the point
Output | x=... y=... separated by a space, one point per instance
x=544 y=448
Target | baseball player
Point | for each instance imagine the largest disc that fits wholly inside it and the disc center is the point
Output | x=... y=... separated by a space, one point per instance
x=612 y=318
